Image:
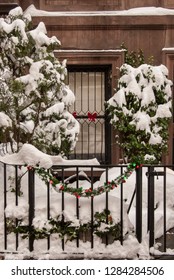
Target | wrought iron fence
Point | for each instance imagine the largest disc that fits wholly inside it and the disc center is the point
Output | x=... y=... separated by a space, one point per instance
x=125 y=192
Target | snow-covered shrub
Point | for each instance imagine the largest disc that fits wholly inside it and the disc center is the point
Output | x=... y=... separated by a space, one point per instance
x=140 y=111
x=34 y=98
x=70 y=230
x=135 y=58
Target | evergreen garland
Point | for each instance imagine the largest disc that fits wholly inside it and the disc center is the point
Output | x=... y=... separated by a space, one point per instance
x=59 y=186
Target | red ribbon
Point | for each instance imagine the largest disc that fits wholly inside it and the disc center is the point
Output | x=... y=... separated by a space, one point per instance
x=92 y=117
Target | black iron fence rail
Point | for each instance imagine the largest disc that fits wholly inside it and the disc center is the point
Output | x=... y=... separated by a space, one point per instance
x=92 y=174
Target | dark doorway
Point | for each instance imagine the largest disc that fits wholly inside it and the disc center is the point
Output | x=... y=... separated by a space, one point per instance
x=92 y=86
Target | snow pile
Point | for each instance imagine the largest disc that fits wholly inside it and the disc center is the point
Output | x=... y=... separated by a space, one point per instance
x=30 y=155
x=5 y=121
x=40 y=37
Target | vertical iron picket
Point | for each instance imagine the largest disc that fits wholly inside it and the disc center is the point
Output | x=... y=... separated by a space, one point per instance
x=77 y=201
x=92 y=211
x=63 y=208
x=151 y=200
x=139 y=204
x=121 y=208
x=164 y=207
x=17 y=192
x=31 y=198
x=107 y=207
x=5 y=205
x=48 y=209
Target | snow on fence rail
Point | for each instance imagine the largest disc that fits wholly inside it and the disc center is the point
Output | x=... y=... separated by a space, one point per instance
x=62 y=212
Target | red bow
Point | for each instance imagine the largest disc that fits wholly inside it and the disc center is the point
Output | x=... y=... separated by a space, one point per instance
x=92 y=117
x=74 y=114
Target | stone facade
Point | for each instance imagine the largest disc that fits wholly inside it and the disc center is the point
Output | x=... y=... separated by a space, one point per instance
x=93 y=5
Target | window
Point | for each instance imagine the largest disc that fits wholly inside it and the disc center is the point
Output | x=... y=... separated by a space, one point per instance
x=91 y=85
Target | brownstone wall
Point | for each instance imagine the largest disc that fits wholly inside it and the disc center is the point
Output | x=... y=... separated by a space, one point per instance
x=81 y=5
x=151 y=34
x=89 y=5
x=169 y=4
x=8 y=1
x=25 y=3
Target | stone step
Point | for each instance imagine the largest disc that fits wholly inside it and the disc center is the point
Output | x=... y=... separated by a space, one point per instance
x=169 y=245
x=164 y=257
x=169 y=240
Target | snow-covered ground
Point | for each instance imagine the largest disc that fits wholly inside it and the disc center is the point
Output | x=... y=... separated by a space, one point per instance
x=130 y=248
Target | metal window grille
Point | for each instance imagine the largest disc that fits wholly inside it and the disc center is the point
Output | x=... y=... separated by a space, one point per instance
x=91 y=86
